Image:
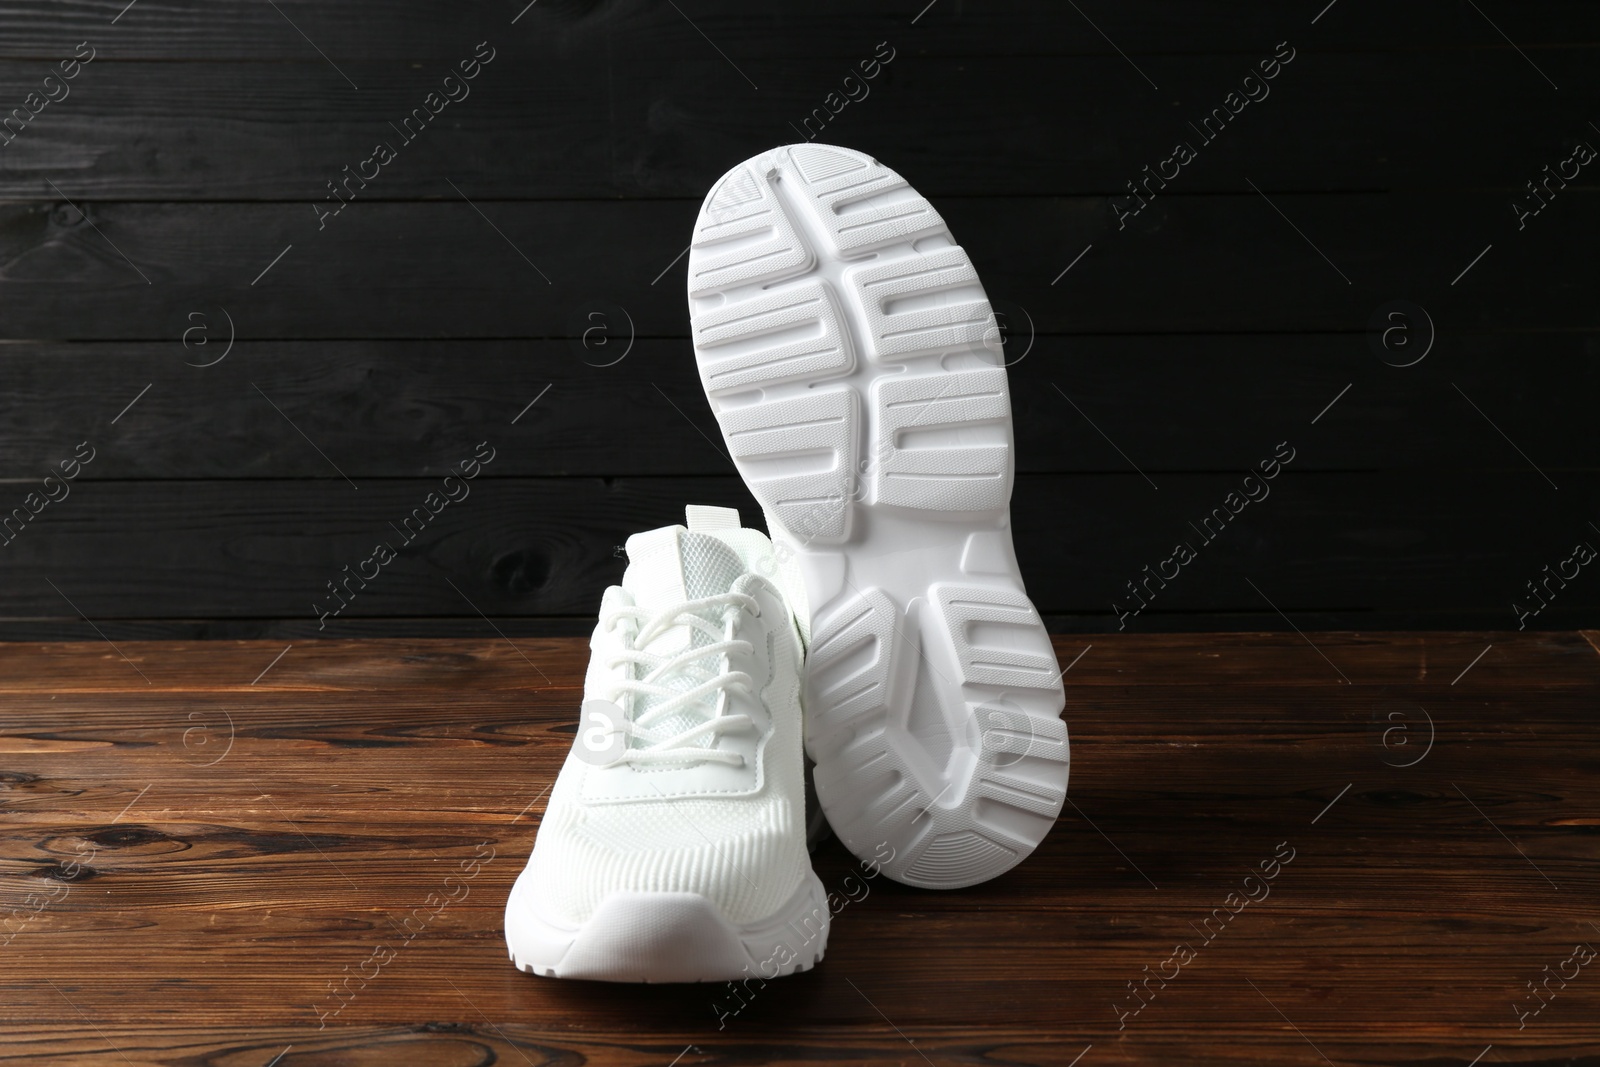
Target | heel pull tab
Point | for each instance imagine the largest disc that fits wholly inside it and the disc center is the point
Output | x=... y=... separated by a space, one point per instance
x=702 y=518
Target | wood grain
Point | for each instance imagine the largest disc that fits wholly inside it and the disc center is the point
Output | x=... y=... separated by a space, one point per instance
x=405 y=408
x=411 y=29
x=230 y=886
x=440 y=269
x=641 y=118
x=539 y=547
x=176 y=188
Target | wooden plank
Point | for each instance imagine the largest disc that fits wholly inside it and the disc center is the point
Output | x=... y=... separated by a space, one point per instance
x=444 y=270
x=301 y=855
x=1332 y=542
x=1084 y=624
x=432 y=1045
x=280 y=789
x=647 y=120
x=433 y=669
x=1174 y=402
x=358 y=30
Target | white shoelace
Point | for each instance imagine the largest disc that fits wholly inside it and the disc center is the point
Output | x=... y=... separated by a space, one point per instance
x=690 y=663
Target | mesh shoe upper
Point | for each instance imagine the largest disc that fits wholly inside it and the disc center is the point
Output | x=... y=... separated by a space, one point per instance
x=728 y=825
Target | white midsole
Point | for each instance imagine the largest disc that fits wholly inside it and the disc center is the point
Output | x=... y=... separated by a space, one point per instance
x=636 y=936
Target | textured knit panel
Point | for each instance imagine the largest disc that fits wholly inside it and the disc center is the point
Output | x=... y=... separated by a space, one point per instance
x=780 y=566
x=654 y=577
x=684 y=566
x=789 y=578
x=709 y=566
x=746 y=855
x=598 y=678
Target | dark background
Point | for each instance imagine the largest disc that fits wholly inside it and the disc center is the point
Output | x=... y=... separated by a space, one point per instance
x=142 y=215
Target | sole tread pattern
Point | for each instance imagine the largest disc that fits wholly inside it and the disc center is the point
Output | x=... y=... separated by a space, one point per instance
x=745 y=236
x=941 y=476
x=853 y=363
x=792 y=334
x=904 y=320
x=796 y=454
x=864 y=206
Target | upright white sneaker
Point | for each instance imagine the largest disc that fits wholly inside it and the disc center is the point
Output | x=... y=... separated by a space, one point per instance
x=673 y=846
x=854 y=364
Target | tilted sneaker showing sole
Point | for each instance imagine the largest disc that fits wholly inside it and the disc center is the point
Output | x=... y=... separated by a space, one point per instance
x=854 y=365
x=673 y=846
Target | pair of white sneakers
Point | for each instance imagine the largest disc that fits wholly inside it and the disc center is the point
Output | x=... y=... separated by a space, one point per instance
x=855 y=368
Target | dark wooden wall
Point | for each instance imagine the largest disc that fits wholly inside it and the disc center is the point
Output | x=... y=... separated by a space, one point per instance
x=526 y=245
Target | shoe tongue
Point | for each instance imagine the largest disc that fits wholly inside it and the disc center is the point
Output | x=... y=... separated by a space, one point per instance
x=671 y=565
x=665 y=568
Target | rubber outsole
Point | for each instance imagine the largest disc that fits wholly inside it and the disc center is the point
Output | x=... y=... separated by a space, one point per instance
x=669 y=937
x=854 y=365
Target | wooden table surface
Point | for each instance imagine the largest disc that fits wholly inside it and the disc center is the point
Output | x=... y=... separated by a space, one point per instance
x=214 y=854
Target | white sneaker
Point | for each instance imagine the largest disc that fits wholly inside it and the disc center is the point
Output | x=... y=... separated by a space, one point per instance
x=855 y=367
x=673 y=846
